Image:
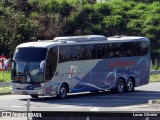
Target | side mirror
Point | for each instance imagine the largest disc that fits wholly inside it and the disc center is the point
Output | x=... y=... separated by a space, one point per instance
x=7 y=63
x=42 y=65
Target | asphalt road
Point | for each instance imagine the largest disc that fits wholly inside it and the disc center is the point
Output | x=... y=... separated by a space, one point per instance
x=103 y=101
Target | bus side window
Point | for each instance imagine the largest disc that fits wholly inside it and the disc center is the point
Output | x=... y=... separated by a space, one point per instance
x=88 y=53
x=144 y=48
x=127 y=48
x=76 y=52
x=136 y=48
x=61 y=57
x=110 y=50
x=117 y=50
x=94 y=52
x=121 y=50
x=101 y=51
x=64 y=54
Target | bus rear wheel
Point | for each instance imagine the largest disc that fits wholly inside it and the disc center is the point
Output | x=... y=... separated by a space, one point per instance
x=130 y=85
x=121 y=86
x=34 y=96
x=62 y=92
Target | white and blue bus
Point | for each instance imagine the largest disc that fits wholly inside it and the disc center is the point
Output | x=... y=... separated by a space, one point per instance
x=80 y=63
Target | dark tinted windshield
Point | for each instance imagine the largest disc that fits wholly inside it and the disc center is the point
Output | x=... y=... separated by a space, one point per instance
x=30 y=54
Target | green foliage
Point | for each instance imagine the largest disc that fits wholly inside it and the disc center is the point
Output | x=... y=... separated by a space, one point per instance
x=114 y=24
x=113 y=21
x=52 y=6
x=65 y=8
x=156 y=67
x=134 y=25
x=29 y=20
x=73 y=23
x=102 y=8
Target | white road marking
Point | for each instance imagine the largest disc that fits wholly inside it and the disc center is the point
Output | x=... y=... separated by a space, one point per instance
x=17 y=106
x=94 y=109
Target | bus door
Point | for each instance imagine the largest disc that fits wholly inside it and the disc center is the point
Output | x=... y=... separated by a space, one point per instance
x=51 y=65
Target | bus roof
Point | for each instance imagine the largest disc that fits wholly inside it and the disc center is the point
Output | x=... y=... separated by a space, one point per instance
x=81 y=38
x=126 y=38
x=87 y=39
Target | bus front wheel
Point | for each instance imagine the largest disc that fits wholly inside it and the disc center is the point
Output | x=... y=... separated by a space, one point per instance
x=62 y=92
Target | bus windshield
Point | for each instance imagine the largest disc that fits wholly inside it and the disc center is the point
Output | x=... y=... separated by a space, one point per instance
x=23 y=69
x=30 y=54
x=26 y=64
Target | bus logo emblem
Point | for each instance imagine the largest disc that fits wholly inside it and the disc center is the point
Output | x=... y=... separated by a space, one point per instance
x=70 y=71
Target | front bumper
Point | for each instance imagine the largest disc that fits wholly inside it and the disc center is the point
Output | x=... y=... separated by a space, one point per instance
x=27 y=92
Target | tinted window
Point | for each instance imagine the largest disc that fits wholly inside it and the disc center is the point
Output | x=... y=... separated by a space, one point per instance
x=81 y=52
x=64 y=53
x=102 y=51
x=129 y=49
x=77 y=52
x=30 y=54
x=114 y=50
x=132 y=48
x=144 y=48
x=90 y=52
x=97 y=51
x=135 y=48
x=51 y=63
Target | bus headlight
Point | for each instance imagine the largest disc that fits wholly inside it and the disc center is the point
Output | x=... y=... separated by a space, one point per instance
x=28 y=78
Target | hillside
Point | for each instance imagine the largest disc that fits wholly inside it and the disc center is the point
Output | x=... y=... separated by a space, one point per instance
x=30 y=20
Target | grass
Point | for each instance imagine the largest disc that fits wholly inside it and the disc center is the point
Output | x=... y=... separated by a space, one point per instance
x=4 y=90
x=155 y=78
x=5 y=76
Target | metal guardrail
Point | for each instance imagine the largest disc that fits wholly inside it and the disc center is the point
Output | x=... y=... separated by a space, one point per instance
x=5 y=84
x=154 y=72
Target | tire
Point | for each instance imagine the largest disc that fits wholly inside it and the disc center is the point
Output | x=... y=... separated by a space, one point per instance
x=130 y=85
x=121 y=86
x=34 y=96
x=62 y=92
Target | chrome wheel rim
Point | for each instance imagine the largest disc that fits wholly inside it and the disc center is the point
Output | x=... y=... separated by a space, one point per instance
x=63 y=92
x=121 y=87
x=129 y=85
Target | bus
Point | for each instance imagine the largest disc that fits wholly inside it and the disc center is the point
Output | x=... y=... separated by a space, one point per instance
x=79 y=64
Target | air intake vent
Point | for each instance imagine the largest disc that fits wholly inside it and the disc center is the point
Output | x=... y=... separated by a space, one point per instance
x=81 y=38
